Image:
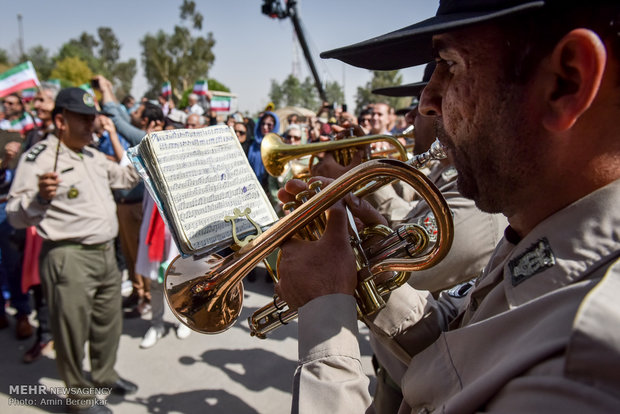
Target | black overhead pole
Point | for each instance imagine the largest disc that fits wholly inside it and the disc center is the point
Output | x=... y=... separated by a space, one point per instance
x=291 y=7
x=273 y=9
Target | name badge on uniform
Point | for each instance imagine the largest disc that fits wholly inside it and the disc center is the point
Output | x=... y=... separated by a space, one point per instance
x=534 y=260
x=73 y=192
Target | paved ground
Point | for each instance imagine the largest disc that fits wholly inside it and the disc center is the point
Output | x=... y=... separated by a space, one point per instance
x=226 y=373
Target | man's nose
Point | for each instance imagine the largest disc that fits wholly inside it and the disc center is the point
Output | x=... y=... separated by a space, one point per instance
x=430 y=101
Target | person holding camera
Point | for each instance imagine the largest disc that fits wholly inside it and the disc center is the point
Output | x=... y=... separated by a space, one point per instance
x=146 y=118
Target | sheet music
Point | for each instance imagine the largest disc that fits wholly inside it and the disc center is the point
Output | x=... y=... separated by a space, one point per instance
x=202 y=176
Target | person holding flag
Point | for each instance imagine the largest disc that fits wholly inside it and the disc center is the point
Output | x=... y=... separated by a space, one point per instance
x=18 y=78
x=16 y=118
x=14 y=80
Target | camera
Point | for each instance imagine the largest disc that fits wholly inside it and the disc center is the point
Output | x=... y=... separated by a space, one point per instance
x=94 y=83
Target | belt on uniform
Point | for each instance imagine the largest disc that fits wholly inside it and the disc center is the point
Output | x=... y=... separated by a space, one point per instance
x=125 y=201
x=79 y=246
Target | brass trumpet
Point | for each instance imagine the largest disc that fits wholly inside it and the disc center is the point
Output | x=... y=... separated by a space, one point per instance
x=276 y=154
x=206 y=293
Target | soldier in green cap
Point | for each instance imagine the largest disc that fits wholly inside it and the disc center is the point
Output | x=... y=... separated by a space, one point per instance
x=62 y=186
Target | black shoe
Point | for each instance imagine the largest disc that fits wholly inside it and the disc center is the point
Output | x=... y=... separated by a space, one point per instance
x=133 y=313
x=123 y=387
x=39 y=348
x=131 y=300
x=138 y=311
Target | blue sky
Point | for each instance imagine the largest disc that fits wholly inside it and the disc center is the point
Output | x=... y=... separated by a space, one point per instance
x=251 y=49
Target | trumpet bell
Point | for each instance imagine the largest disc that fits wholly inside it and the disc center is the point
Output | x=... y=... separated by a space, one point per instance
x=275 y=154
x=191 y=293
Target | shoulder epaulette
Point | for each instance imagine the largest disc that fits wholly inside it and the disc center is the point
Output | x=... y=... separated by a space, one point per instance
x=35 y=151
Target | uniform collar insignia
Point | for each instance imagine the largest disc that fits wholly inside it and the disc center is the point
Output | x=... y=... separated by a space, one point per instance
x=537 y=258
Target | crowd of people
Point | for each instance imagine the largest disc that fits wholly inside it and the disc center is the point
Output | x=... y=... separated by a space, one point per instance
x=519 y=315
x=56 y=207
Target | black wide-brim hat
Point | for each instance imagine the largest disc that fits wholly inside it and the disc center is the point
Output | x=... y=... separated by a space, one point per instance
x=409 y=89
x=412 y=45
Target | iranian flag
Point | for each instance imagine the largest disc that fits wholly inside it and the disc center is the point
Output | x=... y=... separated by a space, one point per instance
x=86 y=86
x=20 y=77
x=26 y=123
x=28 y=94
x=220 y=103
x=166 y=89
x=23 y=124
x=201 y=87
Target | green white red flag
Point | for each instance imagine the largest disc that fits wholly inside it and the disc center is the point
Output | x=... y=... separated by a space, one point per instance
x=28 y=94
x=18 y=78
x=166 y=89
x=220 y=103
x=201 y=87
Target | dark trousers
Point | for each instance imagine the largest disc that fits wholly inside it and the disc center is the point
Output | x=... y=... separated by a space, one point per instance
x=129 y=221
x=11 y=256
x=83 y=291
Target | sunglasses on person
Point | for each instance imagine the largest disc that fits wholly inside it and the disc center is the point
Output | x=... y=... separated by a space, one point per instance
x=239 y=132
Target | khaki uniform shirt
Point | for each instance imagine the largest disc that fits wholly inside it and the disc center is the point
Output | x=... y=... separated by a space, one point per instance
x=83 y=209
x=537 y=334
x=476 y=234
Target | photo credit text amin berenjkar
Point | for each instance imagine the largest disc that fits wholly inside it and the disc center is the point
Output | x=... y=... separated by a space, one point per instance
x=41 y=395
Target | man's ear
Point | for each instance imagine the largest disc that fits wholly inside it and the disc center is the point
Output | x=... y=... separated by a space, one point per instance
x=59 y=121
x=577 y=64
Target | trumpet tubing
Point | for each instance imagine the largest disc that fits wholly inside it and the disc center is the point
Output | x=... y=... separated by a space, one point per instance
x=276 y=154
x=206 y=294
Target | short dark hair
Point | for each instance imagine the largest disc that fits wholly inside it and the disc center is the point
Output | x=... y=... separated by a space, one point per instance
x=365 y=111
x=19 y=99
x=152 y=112
x=127 y=99
x=532 y=36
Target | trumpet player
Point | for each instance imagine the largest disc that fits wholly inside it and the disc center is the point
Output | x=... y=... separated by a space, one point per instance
x=525 y=96
x=476 y=234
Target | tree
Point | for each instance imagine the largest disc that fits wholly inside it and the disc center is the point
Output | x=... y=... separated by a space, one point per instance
x=334 y=92
x=380 y=79
x=179 y=58
x=72 y=69
x=215 y=85
x=41 y=60
x=82 y=48
x=102 y=57
x=5 y=64
x=275 y=93
x=292 y=92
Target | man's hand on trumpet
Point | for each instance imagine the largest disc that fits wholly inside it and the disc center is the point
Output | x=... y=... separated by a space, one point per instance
x=310 y=269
